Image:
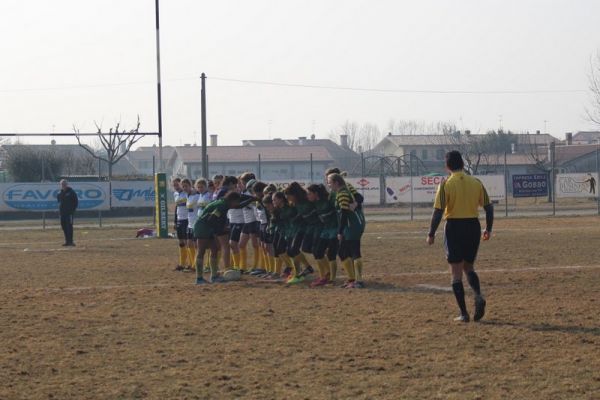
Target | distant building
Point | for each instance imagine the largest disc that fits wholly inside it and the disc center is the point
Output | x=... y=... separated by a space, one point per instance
x=583 y=137
x=343 y=157
x=146 y=158
x=267 y=162
x=430 y=150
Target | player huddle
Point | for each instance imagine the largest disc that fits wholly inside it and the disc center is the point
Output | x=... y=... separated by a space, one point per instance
x=289 y=229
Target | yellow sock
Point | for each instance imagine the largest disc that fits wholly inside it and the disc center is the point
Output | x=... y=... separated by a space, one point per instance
x=256 y=258
x=273 y=262
x=243 y=256
x=332 y=270
x=182 y=255
x=302 y=259
x=349 y=268
x=264 y=261
x=192 y=256
x=323 y=266
x=287 y=261
x=206 y=261
x=297 y=264
x=358 y=267
x=278 y=264
x=235 y=260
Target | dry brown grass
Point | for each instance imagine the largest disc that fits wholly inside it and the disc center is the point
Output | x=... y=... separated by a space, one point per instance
x=109 y=319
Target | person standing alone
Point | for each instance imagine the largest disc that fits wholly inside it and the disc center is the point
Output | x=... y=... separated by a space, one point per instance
x=458 y=199
x=67 y=202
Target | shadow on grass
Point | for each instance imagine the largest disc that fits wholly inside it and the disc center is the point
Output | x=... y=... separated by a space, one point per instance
x=546 y=327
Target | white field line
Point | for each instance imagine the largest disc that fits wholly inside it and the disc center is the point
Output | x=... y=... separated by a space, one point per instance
x=415 y=234
x=182 y=285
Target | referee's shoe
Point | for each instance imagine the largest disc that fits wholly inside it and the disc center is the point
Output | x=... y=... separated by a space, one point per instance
x=479 y=308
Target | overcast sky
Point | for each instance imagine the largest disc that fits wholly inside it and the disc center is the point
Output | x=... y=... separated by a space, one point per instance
x=68 y=62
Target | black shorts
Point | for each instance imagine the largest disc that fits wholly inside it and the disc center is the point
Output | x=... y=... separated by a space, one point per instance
x=279 y=244
x=182 y=229
x=349 y=248
x=235 y=230
x=252 y=228
x=190 y=233
x=265 y=235
x=461 y=239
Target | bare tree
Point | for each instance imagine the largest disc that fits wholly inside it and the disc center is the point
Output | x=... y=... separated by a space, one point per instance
x=414 y=127
x=115 y=144
x=593 y=112
x=351 y=130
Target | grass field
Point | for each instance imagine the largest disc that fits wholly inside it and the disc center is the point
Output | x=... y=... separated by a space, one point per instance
x=109 y=319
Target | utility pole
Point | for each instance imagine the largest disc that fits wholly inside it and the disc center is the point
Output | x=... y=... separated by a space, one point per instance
x=203 y=116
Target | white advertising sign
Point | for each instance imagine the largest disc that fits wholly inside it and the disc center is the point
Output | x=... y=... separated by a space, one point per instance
x=132 y=193
x=368 y=187
x=42 y=196
x=398 y=189
x=576 y=185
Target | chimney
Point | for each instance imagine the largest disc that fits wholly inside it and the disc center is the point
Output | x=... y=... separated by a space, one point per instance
x=344 y=141
x=302 y=140
x=569 y=138
x=313 y=137
x=213 y=140
x=187 y=145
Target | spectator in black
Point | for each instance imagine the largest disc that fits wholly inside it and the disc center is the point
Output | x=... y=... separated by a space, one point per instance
x=67 y=201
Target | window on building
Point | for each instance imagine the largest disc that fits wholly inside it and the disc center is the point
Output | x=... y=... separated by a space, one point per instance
x=439 y=154
x=413 y=153
x=424 y=154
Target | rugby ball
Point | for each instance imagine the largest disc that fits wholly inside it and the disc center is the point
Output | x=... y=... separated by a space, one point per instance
x=232 y=275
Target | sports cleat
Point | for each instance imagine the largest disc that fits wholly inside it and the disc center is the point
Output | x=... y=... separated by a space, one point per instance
x=295 y=280
x=200 y=281
x=257 y=271
x=319 y=282
x=188 y=269
x=348 y=285
x=217 y=279
x=479 y=308
x=178 y=268
x=307 y=271
x=359 y=285
x=462 y=318
x=206 y=270
x=286 y=273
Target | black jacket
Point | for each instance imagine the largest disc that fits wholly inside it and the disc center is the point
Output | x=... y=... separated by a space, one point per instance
x=67 y=200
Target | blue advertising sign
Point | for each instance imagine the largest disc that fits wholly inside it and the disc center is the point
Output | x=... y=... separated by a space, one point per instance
x=530 y=185
x=42 y=196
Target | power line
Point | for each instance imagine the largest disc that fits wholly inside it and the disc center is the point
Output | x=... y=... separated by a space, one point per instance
x=306 y=86
x=409 y=91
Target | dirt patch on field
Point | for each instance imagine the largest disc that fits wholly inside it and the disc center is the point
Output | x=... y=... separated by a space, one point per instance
x=109 y=319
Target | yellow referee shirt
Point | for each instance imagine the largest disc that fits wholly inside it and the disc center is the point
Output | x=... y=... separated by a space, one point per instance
x=460 y=196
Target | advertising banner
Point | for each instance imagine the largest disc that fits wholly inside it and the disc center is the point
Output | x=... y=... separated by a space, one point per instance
x=368 y=187
x=530 y=185
x=576 y=185
x=398 y=189
x=42 y=196
x=132 y=193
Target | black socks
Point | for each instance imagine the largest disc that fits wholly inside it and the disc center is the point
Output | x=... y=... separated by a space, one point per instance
x=459 y=293
x=473 y=280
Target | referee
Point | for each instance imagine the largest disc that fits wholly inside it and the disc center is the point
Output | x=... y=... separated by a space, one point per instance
x=457 y=200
